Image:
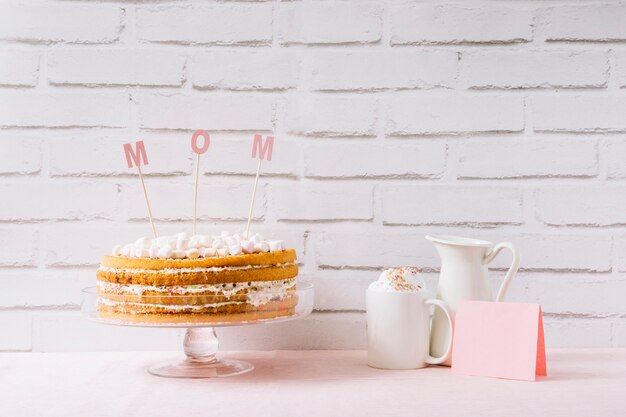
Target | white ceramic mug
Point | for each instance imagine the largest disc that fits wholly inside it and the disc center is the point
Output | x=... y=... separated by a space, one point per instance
x=398 y=329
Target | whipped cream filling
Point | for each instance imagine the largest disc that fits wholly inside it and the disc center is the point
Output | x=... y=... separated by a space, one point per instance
x=176 y=271
x=171 y=307
x=255 y=299
x=227 y=289
x=184 y=246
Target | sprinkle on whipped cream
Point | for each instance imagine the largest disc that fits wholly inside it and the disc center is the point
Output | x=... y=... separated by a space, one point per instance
x=184 y=246
x=404 y=279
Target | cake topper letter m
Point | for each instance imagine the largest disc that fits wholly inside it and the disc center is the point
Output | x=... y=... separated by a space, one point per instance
x=138 y=155
x=262 y=148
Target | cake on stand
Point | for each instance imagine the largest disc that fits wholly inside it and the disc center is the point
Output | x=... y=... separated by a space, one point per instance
x=200 y=343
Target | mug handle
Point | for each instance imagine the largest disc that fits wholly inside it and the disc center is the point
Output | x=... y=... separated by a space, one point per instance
x=512 y=270
x=441 y=359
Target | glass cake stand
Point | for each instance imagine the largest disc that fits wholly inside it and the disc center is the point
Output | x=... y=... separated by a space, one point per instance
x=200 y=343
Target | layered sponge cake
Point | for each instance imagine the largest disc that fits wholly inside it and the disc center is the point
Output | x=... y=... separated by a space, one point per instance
x=181 y=279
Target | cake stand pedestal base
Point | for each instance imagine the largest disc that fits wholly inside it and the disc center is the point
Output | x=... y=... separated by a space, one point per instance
x=201 y=346
x=200 y=343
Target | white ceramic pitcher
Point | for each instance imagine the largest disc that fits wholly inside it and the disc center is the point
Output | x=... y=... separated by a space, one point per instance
x=463 y=276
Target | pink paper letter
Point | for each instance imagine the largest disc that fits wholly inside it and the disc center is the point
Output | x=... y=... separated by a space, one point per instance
x=263 y=148
x=205 y=144
x=137 y=156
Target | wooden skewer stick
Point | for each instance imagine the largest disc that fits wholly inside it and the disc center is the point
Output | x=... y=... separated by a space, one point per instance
x=256 y=182
x=136 y=157
x=195 y=193
x=145 y=195
x=261 y=149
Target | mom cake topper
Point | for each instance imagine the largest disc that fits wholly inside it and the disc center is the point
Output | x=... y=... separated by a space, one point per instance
x=200 y=142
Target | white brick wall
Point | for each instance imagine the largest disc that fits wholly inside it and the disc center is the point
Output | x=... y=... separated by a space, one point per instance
x=330 y=23
x=19 y=68
x=109 y=67
x=534 y=69
x=578 y=113
x=60 y=23
x=218 y=25
x=454 y=114
x=586 y=23
x=499 y=120
x=63 y=109
x=245 y=70
x=371 y=71
x=458 y=23
x=316 y=115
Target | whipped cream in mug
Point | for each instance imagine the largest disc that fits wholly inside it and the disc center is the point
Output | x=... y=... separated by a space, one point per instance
x=398 y=321
x=405 y=279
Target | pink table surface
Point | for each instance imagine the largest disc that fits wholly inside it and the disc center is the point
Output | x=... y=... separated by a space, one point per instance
x=304 y=383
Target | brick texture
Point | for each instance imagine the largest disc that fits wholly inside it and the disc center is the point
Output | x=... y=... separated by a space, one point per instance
x=620 y=59
x=578 y=113
x=529 y=158
x=419 y=24
x=586 y=23
x=220 y=24
x=534 y=69
x=324 y=23
x=374 y=71
x=67 y=109
x=58 y=200
x=246 y=70
x=24 y=246
x=60 y=23
x=20 y=154
x=318 y=202
x=19 y=68
x=598 y=206
x=416 y=205
x=613 y=151
x=318 y=116
x=183 y=111
x=417 y=115
x=116 y=67
x=364 y=159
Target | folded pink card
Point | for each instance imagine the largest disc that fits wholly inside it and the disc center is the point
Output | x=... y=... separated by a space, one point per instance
x=497 y=339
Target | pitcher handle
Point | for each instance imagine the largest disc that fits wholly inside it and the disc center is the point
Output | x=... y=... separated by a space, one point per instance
x=441 y=359
x=512 y=270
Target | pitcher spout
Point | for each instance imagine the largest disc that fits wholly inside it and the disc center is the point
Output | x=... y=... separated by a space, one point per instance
x=458 y=241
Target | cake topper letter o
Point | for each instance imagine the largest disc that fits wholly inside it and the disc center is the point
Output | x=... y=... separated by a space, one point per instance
x=205 y=143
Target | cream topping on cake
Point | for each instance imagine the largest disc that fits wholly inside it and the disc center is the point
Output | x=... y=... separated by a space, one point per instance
x=184 y=246
x=176 y=271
